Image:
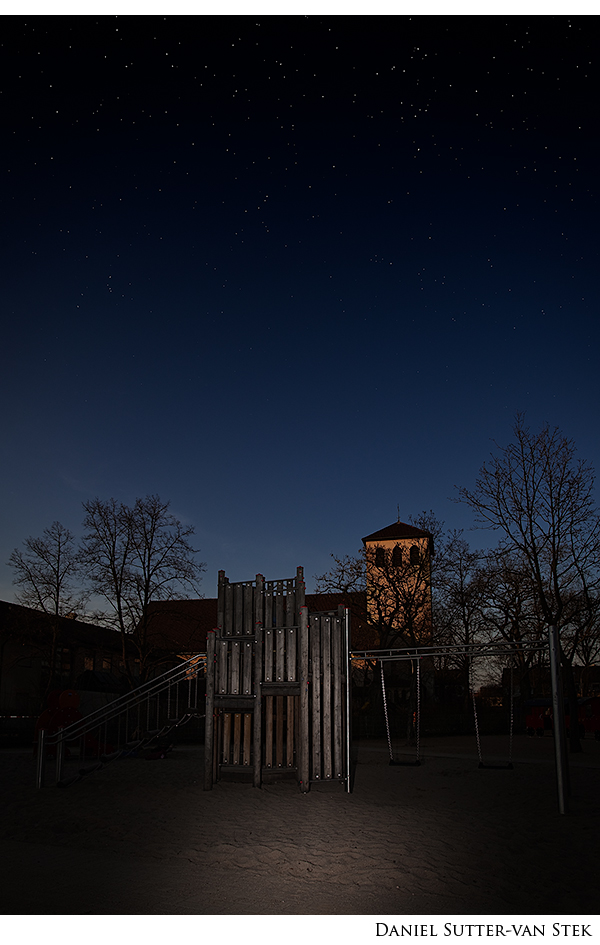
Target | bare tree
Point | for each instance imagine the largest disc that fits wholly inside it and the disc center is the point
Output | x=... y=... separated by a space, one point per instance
x=539 y=497
x=346 y=576
x=45 y=571
x=135 y=557
x=460 y=603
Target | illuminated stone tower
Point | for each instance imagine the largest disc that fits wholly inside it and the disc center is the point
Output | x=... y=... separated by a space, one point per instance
x=398 y=567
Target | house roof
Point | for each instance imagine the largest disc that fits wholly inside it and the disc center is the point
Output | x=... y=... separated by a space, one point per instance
x=182 y=625
x=398 y=530
x=30 y=624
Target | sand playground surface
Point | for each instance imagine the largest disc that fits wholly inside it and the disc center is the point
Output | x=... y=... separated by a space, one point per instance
x=142 y=837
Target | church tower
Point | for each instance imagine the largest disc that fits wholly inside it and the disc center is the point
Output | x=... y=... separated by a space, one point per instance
x=398 y=568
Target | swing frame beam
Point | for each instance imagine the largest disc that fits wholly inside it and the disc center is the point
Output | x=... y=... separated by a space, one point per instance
x=454 y=649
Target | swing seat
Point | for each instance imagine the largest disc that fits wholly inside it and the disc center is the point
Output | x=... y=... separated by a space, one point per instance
x=405 y=764
x=506 y=767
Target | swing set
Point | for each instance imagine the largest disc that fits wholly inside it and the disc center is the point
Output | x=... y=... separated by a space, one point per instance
x=415 y=655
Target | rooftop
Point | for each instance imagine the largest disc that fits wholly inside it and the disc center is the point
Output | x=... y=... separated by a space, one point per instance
x=397 y=530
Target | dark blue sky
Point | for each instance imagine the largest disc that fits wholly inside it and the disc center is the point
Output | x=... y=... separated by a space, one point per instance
x=291 y=273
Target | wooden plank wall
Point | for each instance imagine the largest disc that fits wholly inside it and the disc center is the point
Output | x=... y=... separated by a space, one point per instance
x=276 y=696
x=327 y=707
x=255 y=644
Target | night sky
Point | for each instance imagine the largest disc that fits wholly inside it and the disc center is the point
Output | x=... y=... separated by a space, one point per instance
x=295 y=274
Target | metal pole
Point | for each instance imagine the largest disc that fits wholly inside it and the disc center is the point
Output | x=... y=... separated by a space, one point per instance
x=559 y=719
x=39 y=775
x=59 y=755
x=348 y=696
x=209 y=720
x=418 y=719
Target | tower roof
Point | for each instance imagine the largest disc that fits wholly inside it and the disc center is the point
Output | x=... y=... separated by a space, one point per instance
x=398 y=530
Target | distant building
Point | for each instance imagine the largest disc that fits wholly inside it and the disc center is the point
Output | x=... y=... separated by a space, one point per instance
x=86 y=656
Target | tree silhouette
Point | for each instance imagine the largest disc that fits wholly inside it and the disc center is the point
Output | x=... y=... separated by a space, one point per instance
x=539 y=497
x=45 y=571
x=135 y=557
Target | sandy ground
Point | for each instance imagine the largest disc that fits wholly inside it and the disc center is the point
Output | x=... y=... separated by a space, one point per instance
x=141 y=837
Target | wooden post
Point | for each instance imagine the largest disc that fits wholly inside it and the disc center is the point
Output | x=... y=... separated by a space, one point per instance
x=248 y=626
x=279 y=604
x=237 y=737
x=259 y=602
x=300 y=590
x=258 y=673
x=238 y=608
x=268 y=731
x=227 y=626
x=268 y=604
x=290 y=603
x=303 y=726
x=221 y=667
x=267 y=655
x=315 y=653
x=210 y=708
x=226 y=745
x=247 y=651
x=247 y=737
x=234 y=667
x=277 y=703
x=327 y=722
x=338 y=706
x=291 y=728
x=291 y=654
x=279 y=674
x=221 y=600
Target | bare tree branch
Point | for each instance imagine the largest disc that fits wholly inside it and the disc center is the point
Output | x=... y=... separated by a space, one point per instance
x=134 y=557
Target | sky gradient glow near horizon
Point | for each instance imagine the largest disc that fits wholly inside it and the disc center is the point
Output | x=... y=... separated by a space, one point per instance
x=294 y=274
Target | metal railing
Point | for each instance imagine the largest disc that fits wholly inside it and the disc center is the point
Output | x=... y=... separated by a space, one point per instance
x=134 y=721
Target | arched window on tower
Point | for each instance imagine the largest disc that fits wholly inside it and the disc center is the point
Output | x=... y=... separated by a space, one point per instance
x=397 y=556
x=414 y=554
x=379 y=557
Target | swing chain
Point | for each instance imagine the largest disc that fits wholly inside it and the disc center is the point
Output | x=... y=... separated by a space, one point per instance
x=475 y=712
x=418 y=719
x=512 y=712
x=385 y=710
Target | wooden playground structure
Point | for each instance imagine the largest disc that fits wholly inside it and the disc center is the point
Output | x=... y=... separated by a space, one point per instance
x=277 y=686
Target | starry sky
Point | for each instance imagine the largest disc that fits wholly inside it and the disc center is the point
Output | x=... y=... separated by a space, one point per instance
x=293 y=273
